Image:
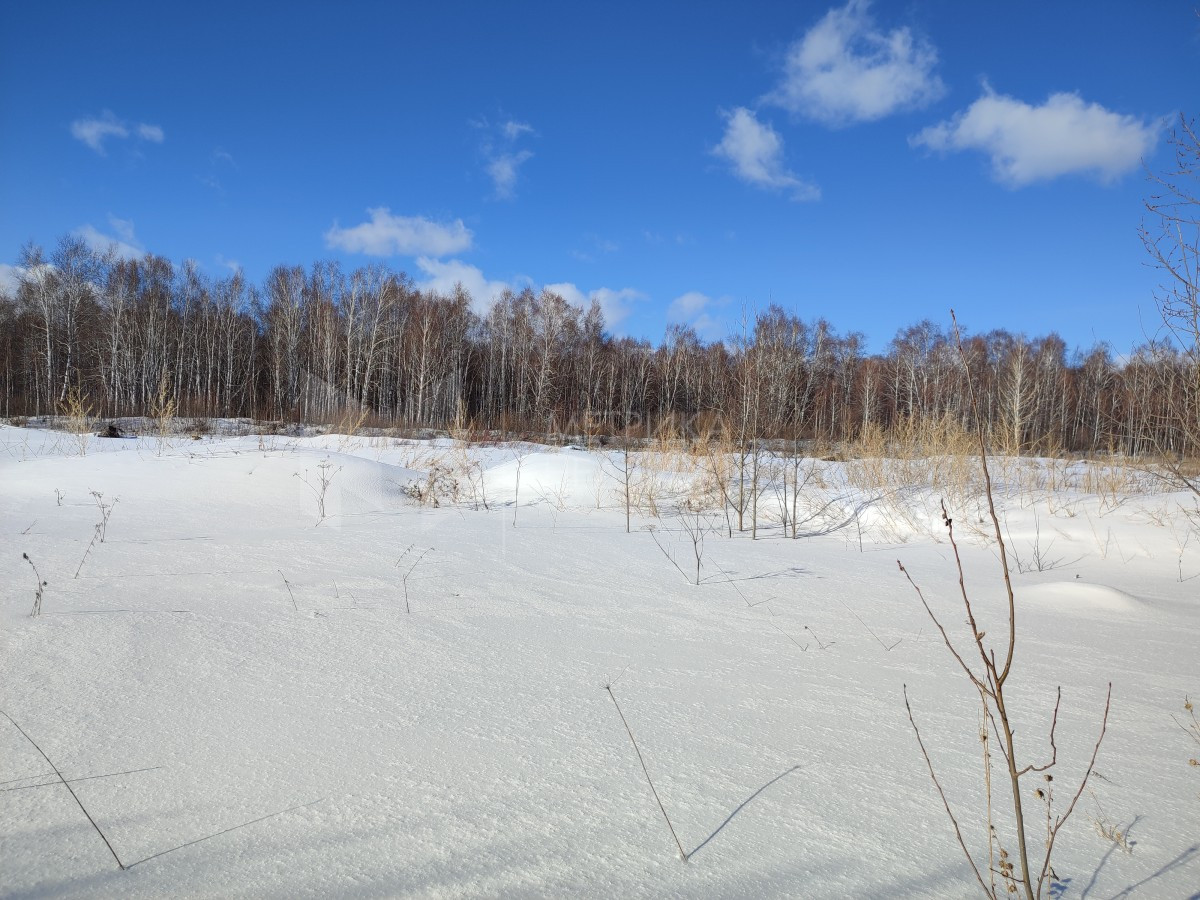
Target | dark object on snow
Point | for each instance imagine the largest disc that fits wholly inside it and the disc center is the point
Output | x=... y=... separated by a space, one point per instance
x=109 y=431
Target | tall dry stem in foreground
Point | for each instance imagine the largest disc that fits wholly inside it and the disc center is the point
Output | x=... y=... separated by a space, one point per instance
x=989 y=678
x=1191 y=729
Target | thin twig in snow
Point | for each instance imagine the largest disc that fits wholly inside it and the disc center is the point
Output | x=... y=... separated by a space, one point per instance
x=225 y=831
x=868 y=627
x=409 y=571
x=24 y=787
x=682 y=853
x=942 y=794
x=288 y=584
x=67 y=785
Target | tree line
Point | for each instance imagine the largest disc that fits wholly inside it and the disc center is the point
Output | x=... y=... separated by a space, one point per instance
x=322 y=344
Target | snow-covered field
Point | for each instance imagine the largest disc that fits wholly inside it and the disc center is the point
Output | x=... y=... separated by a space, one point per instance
x=409 y=700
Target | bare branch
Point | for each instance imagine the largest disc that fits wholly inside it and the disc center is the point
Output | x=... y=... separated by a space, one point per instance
x=942 y=794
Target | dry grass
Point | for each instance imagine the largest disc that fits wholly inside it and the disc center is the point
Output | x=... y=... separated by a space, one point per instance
x=348 y=426
x=938 y=453
x=163 y=409
x=77 y=418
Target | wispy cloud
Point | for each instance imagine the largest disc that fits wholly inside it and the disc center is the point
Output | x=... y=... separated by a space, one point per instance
x=597 y=247
x=389 y=235
x=124 y=246
x=219 y=162
x=845 y=69
x=1028 y=143
x=755 y=152
x=656 y=237
x=94 y=131
x=503 y=157
x=513 y=129
x=503 y=171
x=152 y=133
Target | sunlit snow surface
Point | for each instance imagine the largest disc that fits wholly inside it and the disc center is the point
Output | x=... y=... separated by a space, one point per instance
x=264 y=670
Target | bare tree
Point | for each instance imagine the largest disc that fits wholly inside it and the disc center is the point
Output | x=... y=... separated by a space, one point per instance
x=318 y=343
x=1172 y=238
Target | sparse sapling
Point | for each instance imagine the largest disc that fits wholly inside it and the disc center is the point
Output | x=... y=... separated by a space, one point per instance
x=100 y=530
x=325 y=475
x=989 y=678
x=409 y=570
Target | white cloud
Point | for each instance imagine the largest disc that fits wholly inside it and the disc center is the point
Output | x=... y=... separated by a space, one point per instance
x=1028 y=143
x=125 y=245
x=755 y=150
x=10 y=278
x=615 y=304
x=388 y=235
x=696 y=309
x=845 y=70
x=687 y=305
x=443 y=275
x=503 y=171
x=95 y=130
x=708 y=326
x=569 y=292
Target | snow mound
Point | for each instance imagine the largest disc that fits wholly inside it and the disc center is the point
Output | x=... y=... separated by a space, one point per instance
x=1079 y=595
x=568 y=478
x=356 y=486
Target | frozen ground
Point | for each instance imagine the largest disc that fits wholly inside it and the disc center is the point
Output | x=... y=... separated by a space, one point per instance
x=288 y=729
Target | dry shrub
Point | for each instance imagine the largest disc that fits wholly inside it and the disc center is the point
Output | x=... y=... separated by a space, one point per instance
x=934 y=454
x=663 y=472
x=1114 y=481
x=439 y=487
x=197 y=427
x=163 y=409
x=452 y=475
x=717 y=470
x=938 y=453
x=350 y=421
x=76 y=414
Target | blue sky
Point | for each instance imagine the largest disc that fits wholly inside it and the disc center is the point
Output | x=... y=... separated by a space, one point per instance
x=872 y=163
